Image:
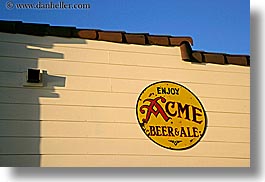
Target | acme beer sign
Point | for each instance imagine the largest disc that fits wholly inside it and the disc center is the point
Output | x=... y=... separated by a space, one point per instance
x=171 y=115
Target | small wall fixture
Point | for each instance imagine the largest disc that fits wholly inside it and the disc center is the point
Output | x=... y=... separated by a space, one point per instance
x=33 y=78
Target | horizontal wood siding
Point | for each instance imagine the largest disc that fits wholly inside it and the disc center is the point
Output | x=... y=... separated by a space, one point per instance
x=26 y=112
x=20 y=145
x=85 y=114
x=103 y=99
x=106 y=130
x=109 y=160
x=71 y=68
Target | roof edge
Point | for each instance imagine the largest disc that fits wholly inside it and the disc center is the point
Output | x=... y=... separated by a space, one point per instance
x=93 y=34
x=184 y=42
x=190 y=55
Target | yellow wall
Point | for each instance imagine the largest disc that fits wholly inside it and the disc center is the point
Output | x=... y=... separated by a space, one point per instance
x=85 y=115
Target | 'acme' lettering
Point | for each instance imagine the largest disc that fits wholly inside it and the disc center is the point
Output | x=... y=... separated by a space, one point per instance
x=173 y=109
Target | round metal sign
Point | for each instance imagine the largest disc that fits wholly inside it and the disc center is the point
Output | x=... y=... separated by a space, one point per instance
x=171 y=115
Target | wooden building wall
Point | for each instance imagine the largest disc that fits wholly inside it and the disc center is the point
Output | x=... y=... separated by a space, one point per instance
x=85 y=114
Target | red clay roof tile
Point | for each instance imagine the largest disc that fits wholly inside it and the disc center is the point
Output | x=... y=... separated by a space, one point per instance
x=237 y=59
x=198 y=56
x=8 y=26
x=32 y=29
x=214 y=58
x=176 y=41
x=111 y=36
x=135 y=38
x=186 y=51
x=86 y=34
x=158 y=40
x=60 y=31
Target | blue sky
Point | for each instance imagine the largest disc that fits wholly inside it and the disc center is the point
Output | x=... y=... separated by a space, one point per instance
x=215 y=25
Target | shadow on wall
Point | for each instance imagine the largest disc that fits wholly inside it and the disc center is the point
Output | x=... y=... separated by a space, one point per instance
x=20 y=106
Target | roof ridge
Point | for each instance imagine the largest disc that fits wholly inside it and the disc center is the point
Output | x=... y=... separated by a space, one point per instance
x=212 y=57
x=184 y=42
x=93 y=34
